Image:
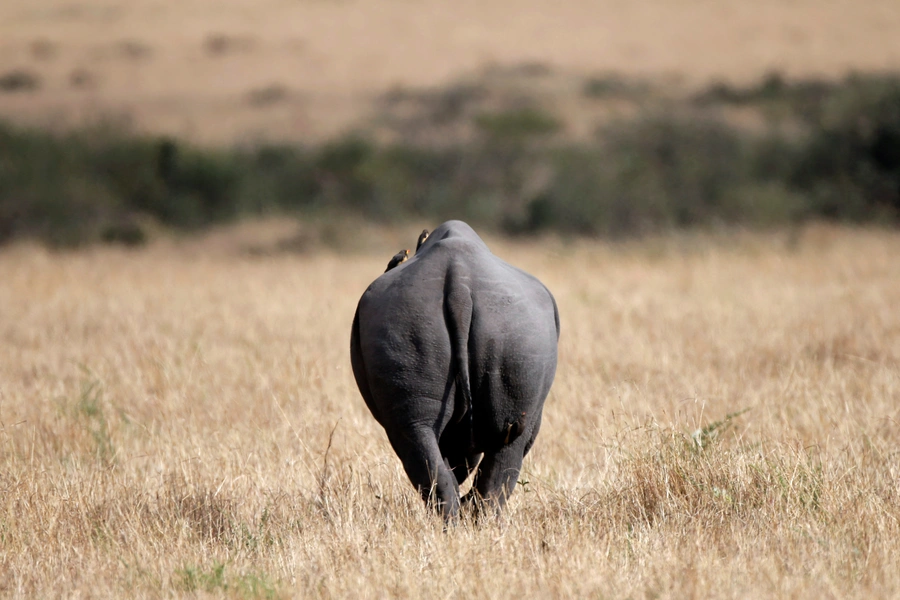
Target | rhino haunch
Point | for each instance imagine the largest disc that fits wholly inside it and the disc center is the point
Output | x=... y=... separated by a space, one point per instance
x=454 y=352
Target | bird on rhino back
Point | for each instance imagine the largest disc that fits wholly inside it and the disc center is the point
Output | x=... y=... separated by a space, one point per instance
x=397 y=260
x=454 y=352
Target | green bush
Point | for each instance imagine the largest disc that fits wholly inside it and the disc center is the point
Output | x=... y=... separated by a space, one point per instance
x=46 y=188
x=850 y=164
x=658 y=173
x=685 y=167
x=518 y=123
x=278 y=177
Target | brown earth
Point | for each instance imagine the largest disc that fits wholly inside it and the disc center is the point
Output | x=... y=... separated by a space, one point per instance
x=239 y=69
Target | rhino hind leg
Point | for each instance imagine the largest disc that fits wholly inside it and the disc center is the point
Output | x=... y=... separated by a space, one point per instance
x=462 y=465
x=457 y=447
x=427 y=470
x=498 y=472
x=497 y=475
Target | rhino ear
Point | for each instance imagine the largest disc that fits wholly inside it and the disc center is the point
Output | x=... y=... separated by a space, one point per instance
x=422 y=237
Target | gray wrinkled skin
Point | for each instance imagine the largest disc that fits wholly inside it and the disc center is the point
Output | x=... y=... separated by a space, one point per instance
x=454 y=352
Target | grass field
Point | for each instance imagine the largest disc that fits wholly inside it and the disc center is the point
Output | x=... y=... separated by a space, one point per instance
x=303 y=70
x=182 y=420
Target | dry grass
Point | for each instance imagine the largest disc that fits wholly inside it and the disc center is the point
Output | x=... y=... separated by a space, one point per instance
x=183 y=420
x=225 y=70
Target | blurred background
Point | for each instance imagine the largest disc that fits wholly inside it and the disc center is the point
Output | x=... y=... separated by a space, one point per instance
x=595 y=118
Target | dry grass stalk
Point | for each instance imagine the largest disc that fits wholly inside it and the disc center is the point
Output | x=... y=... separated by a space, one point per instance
x=175 y=427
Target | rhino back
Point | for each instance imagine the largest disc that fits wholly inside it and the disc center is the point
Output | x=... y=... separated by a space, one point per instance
x=406 y=333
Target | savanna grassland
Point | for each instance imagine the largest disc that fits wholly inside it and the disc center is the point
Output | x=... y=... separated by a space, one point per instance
x=182 y=420
x=300 y=70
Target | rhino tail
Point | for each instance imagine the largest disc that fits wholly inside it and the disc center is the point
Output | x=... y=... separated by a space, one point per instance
x=458 y=314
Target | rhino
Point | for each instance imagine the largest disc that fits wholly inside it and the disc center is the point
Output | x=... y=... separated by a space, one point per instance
x=454 y=352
